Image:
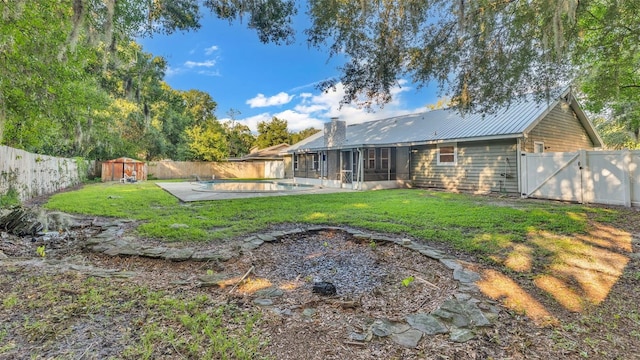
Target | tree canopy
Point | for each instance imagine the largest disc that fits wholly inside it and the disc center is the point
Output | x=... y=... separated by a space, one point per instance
x=73 y=82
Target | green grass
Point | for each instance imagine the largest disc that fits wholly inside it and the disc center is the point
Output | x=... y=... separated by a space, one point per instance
x=470 y=223
x=155 y=323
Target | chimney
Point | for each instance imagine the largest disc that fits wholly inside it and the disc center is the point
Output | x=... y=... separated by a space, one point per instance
x=335 y=132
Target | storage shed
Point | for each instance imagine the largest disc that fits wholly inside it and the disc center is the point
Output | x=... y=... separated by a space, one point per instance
x=116 y=169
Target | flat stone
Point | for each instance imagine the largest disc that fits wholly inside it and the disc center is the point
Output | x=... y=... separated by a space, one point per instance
x=358 y=336
x=253 y=244
x=207 y=255
x=178 y=254
x=283 y=312
x=250 y=238
x=451 y=264
x=212 y=279
x=442 y=314
x=382 y=238
x=412 y=246
x=267 y=238
x=407 y=242
x=155 y=252
x=362 y=236
x=384 y=327
x=465 y=276
x=426 y=323
x=263 y=302
x=94 y=241
x=408 y=339
x=461 y=335
x=107 y=234
x=453 y=306
x=476 y=316
x=276 y=234
x=293 y=231
x=269 y=292
x=317 y=228
x=462 y=297
x=179 y=226
x=428 y=252
x=126 y=249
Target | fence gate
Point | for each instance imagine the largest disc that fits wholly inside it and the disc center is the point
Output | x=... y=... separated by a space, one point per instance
x=604 y=177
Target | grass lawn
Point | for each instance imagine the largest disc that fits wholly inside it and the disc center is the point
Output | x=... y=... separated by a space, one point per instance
x=477 y=224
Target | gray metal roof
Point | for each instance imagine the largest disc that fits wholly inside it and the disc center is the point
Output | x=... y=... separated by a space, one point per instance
x=441 y=126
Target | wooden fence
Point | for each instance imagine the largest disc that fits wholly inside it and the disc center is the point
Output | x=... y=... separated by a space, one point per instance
x=205 y=170
x=32 y=174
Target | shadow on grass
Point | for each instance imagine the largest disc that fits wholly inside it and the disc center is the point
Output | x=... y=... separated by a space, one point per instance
x=576 y=271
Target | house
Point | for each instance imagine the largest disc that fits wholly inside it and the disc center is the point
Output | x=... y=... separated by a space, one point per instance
x=442 y=148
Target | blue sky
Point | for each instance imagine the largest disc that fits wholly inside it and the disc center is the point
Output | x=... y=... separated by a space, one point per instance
x=265 y=80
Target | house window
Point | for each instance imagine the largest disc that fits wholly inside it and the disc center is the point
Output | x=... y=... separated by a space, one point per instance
x=447 y=154
x=371 y=158
x=384 y=158
x=295 y=161
x=538 y=147
x=314 y=163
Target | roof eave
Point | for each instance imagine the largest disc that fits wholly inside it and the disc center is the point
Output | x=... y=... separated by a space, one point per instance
x=586 y=123
x=413 y=143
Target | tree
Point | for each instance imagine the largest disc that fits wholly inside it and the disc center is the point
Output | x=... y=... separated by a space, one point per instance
x=302 y=134
x=272 y=132
x=239 y=138
x=207 y=141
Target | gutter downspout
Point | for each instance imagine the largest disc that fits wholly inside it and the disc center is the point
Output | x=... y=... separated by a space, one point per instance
x=360 y=170
x=519 y=164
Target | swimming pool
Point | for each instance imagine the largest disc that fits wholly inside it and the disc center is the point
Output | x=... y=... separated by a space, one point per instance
x=250 y=186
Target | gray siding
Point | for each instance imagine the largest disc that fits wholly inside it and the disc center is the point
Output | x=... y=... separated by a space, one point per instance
x=479 y=167
x=560 y=131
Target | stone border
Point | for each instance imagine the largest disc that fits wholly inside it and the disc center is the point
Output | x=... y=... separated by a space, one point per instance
x=459 y=317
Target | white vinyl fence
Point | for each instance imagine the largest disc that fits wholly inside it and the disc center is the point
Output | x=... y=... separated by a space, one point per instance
x=603 y=177
x=32 y=174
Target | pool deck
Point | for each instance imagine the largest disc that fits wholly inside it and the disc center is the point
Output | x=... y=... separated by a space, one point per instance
x=186 y=191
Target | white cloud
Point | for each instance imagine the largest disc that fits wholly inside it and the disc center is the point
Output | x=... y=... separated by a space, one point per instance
x=211 y=49
x=209 y=72
x=171 y=71
x=297 y=121
x=207 y=63
x=262 y=101
x=313 y=110
x=252 y=121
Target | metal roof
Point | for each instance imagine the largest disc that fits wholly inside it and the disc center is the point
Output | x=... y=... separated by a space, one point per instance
x=442 y=126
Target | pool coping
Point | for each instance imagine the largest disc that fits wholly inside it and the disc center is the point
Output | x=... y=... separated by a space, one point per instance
x=185 y=191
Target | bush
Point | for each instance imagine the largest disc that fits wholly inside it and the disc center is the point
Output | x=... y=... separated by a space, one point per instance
x=9 y=199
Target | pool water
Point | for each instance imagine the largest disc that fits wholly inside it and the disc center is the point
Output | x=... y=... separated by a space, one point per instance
x=250 y=186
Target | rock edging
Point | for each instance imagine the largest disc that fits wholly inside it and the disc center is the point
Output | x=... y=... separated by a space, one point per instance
x=459 y=317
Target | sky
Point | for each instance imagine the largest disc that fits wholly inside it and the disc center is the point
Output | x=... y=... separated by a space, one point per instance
x=257 y=81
